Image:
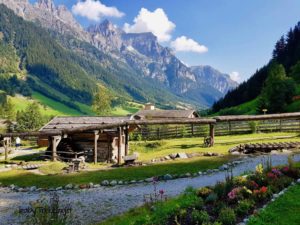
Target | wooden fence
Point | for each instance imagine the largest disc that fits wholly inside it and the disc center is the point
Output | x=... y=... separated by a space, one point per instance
x=221 y=128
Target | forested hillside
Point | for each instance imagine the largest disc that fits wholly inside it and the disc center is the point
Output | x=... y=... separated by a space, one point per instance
x=65 y=69
x=286 y=64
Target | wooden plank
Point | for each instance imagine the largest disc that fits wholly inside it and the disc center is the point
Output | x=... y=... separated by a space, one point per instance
x=96 y=137
x=126 y=140
x=212 y=133
x=120 y=129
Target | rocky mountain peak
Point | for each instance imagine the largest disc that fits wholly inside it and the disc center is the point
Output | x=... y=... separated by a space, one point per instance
x=106 y=28
x=46 y=4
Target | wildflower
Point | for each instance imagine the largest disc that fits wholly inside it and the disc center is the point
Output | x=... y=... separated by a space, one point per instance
x=234 y=193
x=285 y=169
x=259 y=169
x=263 y=189
x=276 y=171
x=271 y=175
x=253 y=184
x=161 y=192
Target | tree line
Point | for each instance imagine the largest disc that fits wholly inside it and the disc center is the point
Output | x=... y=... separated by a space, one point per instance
x=286 y=61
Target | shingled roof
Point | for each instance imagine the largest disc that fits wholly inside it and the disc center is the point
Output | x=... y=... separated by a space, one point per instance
x=68 y=122
x=165 y=114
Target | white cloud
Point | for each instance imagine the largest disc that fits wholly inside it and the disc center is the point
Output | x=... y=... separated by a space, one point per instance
x=235 y=76
x=95 y=10
x=156 y=22
x=184 y=44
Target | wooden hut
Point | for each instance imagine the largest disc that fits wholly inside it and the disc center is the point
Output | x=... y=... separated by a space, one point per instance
x=97 y=145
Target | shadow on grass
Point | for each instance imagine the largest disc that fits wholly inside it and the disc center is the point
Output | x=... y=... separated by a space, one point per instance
x=23 y=178
x=27 y=158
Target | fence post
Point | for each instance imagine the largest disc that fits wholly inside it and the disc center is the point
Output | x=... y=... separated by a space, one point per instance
x=212 y=133
x=192 y=129
x=158 y=133
x=229 y=127
x=280 y=125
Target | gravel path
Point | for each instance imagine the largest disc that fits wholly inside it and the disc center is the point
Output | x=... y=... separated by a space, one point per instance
x=97 y=204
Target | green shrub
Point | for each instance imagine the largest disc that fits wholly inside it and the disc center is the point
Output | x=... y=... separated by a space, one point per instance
x=219 y=189
x=211 y=198
x=199 y=204
x=253 y=126
x=200 y=217
x=227 y=216
x=155 y=144
x=281 y=183
x=244 y=207
x=218 y=206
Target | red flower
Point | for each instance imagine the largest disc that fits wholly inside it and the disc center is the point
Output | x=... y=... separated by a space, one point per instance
x=263 y=189
x=271 y=175
x=161 y=192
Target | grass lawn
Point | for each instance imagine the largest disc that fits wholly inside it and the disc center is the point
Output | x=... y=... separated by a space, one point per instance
x=283 y=211
x=189 y=145
x=147 y=150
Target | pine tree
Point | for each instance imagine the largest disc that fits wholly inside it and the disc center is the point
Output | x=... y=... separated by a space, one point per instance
x=278 y=90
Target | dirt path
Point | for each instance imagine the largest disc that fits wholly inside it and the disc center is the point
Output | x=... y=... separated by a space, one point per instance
x=94 y=205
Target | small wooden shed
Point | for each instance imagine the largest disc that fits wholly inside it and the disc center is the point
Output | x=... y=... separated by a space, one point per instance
x=100 y=146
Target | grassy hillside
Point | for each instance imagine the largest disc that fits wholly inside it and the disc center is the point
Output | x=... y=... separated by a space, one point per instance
x=250 y=108
x=21 y=102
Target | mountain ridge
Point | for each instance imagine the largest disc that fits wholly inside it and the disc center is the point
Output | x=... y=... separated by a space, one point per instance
x=141 y=51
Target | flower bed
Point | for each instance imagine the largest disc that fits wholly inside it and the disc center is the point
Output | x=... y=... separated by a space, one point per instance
x=226 y=203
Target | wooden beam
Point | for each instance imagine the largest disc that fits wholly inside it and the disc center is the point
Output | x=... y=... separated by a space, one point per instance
x=6 y=146
x=212 y=134
x=120 y=129
x=55 y=141
x=126 y=140
x=192 y=130
x=96 y=132
x=258 y=117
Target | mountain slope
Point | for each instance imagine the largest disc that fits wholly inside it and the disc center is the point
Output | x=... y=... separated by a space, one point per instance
x=148 y=64
x=52 y=62
x=220 y=81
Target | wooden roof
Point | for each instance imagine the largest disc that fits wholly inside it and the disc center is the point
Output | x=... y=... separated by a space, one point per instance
x=70 y=122
x=165 y=114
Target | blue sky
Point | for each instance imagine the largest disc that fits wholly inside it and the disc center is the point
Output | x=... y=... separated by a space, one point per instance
x=230 y=35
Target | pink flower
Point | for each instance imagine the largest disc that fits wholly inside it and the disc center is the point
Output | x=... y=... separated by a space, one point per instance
x=234 y=193
x=285 y=169
x=161 y=192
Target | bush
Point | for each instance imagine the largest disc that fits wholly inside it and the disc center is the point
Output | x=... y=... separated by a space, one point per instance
x=253 y=126
x=155 y=144
x=199 y=204
x=244 y=207
x=204 y=192
x=227 y=216
x=220 y=190
x=213 y=197
x=218 y=206
x=200 y=217
x=281 y=183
